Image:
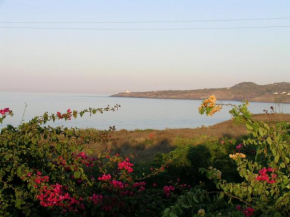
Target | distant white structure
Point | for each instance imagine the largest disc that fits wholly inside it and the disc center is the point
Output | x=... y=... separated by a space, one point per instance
x=288 y=94
x=127 y=91
x=275 y=93
x=283 y=92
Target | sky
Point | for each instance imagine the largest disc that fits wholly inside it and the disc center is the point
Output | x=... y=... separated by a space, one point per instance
x=107 y=47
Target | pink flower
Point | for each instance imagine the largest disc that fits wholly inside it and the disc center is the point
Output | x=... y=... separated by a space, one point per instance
x=117 y=184
x=82 y=155
x=54 y=195
x=167 y=190
x=96 y=198
x=239 y=147
x=183 y=186
x=4 y=111
x=249 y=211
x=59 y=115
x=265 y=177
x=139 y=185
x=126 y=165
x=69 y=114
x=105 y=177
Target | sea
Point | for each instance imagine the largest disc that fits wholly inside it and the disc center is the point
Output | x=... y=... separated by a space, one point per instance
x=134 y=113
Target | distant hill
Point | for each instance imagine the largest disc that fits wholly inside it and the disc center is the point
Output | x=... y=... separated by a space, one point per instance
x=242 y=91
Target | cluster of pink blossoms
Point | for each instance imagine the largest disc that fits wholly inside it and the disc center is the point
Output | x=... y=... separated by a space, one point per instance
x=126 y=165
x=55 y=196
x=4 y=111
x=117 y=184
x=96 y=198
x=248 y=212
x=67 y=115
x=167 y=190
x=105 y=177
x=265 y=177
x=40 y=179
x=140 y=185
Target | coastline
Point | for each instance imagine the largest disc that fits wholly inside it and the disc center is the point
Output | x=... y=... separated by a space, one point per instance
x=270 y=93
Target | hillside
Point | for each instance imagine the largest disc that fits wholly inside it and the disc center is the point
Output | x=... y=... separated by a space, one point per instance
x=242 y=91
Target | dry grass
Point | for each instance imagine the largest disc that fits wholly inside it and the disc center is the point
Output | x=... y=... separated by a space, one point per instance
x=143 y=145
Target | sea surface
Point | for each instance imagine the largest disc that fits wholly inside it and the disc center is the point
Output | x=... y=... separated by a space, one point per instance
x=135 y=113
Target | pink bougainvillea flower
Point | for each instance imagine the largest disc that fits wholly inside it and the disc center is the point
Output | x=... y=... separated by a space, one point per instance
x=117 y=184
x=4 y=111
x=248 y=212
x=263 y=175
x=59 y=115
x=167 y=190
x=96 y=198
x=239 y=147
x=105 y=177
x=126 y=165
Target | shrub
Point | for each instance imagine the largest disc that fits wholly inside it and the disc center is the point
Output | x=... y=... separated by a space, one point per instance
x=47 y=171
x=264 y=188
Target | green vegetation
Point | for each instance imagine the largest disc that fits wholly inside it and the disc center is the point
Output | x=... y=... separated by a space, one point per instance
x=245 y=90
x=236 y=168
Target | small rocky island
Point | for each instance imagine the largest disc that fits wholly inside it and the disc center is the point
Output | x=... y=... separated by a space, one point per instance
x=276 y=92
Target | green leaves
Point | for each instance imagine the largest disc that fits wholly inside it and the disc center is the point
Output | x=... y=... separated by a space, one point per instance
x=272 y=154
x=276 y=159
x=249 y=126
x=77 y=174
x=18 y=203
x=269 y=140
x=262 y=131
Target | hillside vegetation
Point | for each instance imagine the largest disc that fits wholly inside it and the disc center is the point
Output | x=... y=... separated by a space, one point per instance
x=242 y=91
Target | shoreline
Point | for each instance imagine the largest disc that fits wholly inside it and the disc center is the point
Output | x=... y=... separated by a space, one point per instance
x=196 y=99
x=269 y=93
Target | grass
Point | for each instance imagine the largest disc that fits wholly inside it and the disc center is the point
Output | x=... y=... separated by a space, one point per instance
x=143 y=145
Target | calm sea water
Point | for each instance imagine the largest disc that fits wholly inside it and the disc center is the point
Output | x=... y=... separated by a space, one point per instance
x=134 y=113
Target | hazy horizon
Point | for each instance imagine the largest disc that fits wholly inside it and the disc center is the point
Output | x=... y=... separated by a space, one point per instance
x=111 y=93
x=105 y=47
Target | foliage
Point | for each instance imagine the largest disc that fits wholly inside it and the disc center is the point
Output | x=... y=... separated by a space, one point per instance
x=33 y=149
x=264 y=188
x=47 y=171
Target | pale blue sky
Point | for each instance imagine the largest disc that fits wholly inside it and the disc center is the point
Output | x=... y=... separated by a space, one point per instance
x=55 y=60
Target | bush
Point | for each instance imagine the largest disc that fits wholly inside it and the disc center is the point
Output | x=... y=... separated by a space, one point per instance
x=264 y=188
x=48 y=171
